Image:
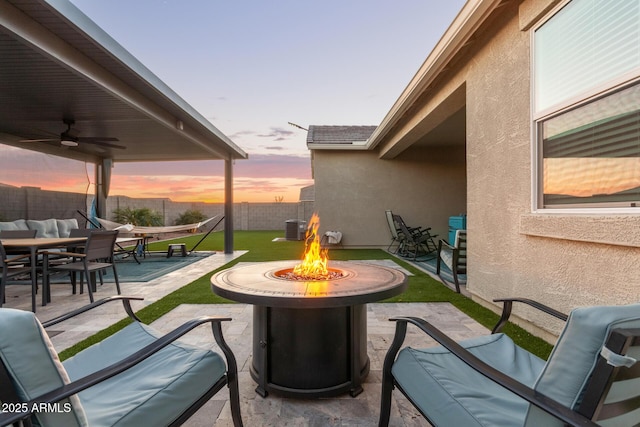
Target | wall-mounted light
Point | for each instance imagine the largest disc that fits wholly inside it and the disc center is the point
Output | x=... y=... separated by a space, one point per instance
x=179 y=125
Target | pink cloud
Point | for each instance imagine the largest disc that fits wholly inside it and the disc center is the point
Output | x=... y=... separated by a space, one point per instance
x=259 y=179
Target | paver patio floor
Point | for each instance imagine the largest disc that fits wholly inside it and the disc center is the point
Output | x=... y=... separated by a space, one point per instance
x=344 y=410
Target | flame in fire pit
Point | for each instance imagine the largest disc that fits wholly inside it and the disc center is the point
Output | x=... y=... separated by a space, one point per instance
x=315 y=259
x=314 y=262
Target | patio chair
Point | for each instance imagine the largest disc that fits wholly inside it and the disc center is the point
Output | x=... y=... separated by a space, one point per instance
x=62 y=257
x=414 y=242
x=18 y=234
x=454 y=257
x=96 y=257
x=136 y=377
x=12 y=267
x=393 y=229
x=490 y=381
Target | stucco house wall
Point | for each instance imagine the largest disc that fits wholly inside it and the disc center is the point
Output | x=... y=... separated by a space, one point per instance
x=562 y=259
x=424 y=186
x=511 y=252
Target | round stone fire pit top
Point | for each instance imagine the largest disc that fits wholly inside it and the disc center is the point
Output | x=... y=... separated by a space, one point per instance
x=262 y=284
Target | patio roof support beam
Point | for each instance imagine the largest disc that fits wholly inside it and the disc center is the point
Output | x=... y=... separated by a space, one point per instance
x=228 y=206
x=103 y=182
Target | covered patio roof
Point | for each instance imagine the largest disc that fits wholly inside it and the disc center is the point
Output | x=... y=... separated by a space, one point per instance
x=57 y=65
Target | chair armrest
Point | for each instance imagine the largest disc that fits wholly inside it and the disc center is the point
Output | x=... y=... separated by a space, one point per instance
x=66 y=254
x=543 y=402
x=444 y=245
x=15 y=258
x=126 y=302
x=508 y=304
x=127 y=363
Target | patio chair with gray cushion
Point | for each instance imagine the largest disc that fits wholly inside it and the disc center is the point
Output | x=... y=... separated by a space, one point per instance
x=454 y=257
x=591 y=375
x=136 y=377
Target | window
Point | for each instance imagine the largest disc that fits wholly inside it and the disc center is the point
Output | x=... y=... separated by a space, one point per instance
x=587 y=105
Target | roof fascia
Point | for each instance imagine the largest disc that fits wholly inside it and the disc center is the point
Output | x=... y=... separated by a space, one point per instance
x=49 y=44
x=470 y=17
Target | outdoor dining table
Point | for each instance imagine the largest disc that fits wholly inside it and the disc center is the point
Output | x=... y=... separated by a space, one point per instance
x=33 y=245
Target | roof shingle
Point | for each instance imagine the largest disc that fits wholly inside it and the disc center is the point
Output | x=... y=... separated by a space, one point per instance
x=338 y=134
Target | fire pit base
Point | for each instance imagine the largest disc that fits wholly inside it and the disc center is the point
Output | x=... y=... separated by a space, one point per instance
x=309 y=337
x=318 y=352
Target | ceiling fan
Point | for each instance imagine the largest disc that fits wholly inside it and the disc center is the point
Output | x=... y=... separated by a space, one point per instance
x=70 y=138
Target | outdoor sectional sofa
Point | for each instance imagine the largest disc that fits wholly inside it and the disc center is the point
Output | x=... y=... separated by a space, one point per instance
x=44 y=228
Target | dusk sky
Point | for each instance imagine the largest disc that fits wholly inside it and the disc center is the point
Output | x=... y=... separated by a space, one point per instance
x=250 y=67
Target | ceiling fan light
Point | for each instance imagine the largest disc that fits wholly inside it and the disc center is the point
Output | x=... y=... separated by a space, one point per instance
x=69 y=143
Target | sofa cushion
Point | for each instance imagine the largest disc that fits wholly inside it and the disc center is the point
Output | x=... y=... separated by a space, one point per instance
x=34 y=367
x=18 y=224
x=65 y=226
x=44 y=227
x=154 y=392
x=450 y=393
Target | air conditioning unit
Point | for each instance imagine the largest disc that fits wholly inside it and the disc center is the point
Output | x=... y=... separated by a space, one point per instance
x=295 y=229
x=292 y=229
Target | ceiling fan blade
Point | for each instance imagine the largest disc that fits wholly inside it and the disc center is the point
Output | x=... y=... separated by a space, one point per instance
x=70 y=138
x=40 y=140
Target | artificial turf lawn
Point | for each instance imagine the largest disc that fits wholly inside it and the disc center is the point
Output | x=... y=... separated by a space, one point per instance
x=262 y=248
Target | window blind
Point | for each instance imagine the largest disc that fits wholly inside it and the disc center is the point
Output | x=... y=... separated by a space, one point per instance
x=584 y=45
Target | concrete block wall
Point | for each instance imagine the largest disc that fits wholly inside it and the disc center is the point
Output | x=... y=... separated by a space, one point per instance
x=34 y=203
x=265 y=216
x=246 y=216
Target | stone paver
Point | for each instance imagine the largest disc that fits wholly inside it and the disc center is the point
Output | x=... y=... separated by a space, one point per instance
x=344 y=410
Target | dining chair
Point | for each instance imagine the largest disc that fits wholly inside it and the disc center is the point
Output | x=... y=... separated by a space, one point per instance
x=17 y=234
x=64 y=258
x=12 y=267
x=96 y=257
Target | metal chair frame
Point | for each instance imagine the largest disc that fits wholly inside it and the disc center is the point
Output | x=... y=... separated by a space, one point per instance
x=414 y=241
x=594 y=405
x=98 y=255
x=459 y=258
x=8 y=271
x=230 y=379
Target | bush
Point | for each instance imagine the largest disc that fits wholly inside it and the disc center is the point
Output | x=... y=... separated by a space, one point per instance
x=190 y=217
x=144 y=217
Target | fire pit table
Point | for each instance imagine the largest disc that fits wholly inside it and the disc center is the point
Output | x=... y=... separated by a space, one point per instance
x=309 y=336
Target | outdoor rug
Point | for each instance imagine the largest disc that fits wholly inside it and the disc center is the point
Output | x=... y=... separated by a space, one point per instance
x=151 y=267
x=445 y=273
